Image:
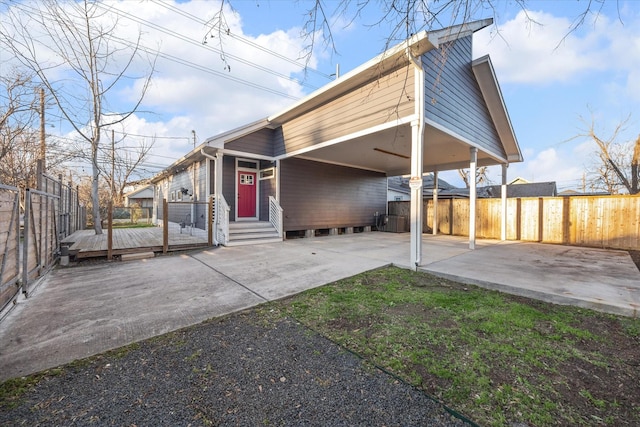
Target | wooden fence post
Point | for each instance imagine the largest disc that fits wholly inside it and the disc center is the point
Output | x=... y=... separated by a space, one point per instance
x=566 y=220
x=165 y=226
x=109 y=231
x=540 y=219
x=518 y=218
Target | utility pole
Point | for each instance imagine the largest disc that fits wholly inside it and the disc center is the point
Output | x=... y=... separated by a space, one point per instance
x=113 y=165
x=41 y=164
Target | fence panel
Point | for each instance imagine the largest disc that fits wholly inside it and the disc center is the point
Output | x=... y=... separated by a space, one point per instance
x=41 y=237
x=9 y=244
x=596 y=221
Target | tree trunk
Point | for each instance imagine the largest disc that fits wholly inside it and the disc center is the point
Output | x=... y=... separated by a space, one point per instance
x=95 y=196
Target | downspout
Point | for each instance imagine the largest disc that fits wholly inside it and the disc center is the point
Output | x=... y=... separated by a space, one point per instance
x=417 y=150
x=215 y=168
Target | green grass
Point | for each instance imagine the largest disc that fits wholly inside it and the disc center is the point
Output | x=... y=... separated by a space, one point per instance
x=496 y=358
x=132 y=225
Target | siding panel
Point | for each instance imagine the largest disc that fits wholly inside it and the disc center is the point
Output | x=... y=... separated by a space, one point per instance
x=453 y=98
x=318 y=195
x=259 y=142
x=380 y=101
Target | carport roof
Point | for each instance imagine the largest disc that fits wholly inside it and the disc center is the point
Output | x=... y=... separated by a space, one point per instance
x=443 y=150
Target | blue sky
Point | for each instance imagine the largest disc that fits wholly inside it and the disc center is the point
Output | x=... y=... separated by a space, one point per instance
x=550 y=77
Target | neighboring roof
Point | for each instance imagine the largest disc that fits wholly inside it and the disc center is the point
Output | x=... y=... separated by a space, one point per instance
x=145 y=192
x=533 y=189
x=401 y=184
x=518 y=180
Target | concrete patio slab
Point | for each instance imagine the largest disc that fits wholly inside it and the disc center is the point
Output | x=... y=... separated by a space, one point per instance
x=599 y=279
x=88 y=309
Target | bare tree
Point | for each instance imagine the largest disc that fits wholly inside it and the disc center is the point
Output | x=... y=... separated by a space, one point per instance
x=74 y=50
x=616 y=166
x=18 y=111
x=403 y=18
x=482 y=176
x=120 y=165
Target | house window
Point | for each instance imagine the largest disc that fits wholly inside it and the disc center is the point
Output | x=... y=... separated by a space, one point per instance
x=247 y=164
x=246 y=179
x=179 y=195
x=173 y=196
x=398 y=198
x=269 y=173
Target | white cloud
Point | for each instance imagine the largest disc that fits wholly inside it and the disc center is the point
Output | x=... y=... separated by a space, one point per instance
x=193 y=88
x=537 y=47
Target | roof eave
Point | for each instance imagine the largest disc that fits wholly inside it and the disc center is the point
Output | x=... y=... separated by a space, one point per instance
x=490 y=88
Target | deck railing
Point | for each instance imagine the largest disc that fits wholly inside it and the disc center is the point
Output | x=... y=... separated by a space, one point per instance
x=221 y=220
x=275 y=215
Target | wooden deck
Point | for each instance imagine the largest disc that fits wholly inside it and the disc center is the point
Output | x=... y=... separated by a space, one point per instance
x=86 y=244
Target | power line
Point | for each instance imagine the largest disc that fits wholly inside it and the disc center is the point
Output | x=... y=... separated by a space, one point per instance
x=243 y=39
x=201 y=45
x=181 y=61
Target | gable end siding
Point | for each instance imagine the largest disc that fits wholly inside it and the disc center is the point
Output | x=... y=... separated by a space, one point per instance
x=318 y=195
x=453 y=98
x=259 y=142
x=383 y=100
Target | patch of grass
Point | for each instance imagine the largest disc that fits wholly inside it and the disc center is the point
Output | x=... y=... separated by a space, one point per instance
x=496 y=358
x=11 y=391
x=132 y=225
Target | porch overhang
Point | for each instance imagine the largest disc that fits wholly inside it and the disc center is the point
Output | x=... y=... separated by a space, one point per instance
x=387 y=149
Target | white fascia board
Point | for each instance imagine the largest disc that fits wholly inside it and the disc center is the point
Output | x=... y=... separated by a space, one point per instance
x=364 y=132
x=455 y=32
x=219 y=140
x=490 y=88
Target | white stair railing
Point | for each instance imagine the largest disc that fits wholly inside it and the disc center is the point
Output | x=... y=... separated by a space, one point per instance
x=275 y=215
x=221 y=221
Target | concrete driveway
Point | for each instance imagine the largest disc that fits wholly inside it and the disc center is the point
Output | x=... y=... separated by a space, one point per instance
x=80 y=311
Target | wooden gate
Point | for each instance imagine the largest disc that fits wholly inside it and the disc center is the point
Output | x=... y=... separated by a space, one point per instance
x=9 y=244
x=41 y=238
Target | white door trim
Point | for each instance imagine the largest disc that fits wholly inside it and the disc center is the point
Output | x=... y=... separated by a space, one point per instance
x=257 y=184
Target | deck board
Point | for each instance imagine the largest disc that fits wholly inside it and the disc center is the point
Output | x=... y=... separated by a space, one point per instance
x=86 y=244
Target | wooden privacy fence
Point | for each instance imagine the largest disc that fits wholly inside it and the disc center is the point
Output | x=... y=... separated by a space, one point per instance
x=595 y=221
x=9 y=243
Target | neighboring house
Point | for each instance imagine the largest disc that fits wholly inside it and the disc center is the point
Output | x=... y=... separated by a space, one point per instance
x=398 y=188
x=322 y=164
x=531 y=189
x=142 y=197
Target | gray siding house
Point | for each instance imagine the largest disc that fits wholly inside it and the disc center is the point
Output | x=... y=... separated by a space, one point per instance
x=322 y=164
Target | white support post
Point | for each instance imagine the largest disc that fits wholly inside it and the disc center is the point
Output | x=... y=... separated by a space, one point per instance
x=417 y=152
x=503 y=195
x=218 y=173
x=415 y=184
x=435 y=204
x=277 y=178
x=473 y=164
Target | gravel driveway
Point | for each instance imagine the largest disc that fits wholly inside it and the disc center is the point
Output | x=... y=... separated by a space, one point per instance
x=250 y=368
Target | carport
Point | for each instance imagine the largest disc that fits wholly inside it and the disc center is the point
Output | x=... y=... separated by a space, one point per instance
x=429 y=108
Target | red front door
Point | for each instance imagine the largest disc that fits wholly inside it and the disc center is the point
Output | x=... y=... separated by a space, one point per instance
x=246 y=194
